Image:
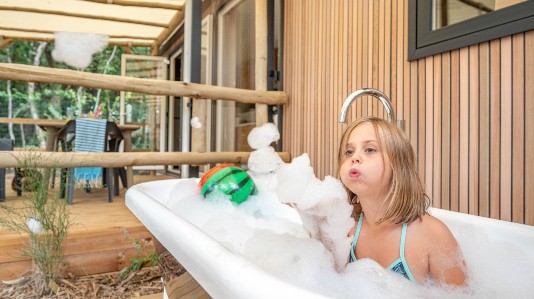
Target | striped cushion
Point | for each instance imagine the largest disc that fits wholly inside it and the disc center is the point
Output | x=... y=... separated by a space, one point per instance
x=90 y=137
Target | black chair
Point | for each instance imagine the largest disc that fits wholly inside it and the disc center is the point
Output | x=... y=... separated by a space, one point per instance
x=65 y=141
x=7 y=145
x=114 y=139
x=66 y=138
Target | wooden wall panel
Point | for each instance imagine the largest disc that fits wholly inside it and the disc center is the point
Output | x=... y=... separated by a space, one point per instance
x=518 y=129
x=495 y=127
x=445 y=131
x=436 y=134
x=483 y=133
x=469 y=112
x=463 y=126
x=529 y=128
x=454 y=120
x=474 y=118
x=505 y=198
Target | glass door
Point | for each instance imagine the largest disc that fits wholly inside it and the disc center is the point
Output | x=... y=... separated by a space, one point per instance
x=236 y=54
x=147 y=111
x=175 y=112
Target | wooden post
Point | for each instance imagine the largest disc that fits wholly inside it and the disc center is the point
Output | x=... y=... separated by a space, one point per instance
x=261 y=59
x=192 y=59
x=198 y=134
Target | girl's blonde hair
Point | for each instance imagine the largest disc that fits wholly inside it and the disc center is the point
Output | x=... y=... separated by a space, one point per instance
x=406 y=200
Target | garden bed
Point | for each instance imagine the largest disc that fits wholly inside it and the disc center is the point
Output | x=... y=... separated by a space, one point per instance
x=146 y=281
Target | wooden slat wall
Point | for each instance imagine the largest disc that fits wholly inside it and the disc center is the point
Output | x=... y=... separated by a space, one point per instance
x=468 y=112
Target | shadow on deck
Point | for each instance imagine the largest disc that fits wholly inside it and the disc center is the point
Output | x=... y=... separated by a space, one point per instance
x=100 y=241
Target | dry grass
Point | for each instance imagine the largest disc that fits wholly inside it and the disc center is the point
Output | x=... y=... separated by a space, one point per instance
x=146 y=281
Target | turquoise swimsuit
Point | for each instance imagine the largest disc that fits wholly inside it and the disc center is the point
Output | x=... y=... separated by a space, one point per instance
x=400 y=265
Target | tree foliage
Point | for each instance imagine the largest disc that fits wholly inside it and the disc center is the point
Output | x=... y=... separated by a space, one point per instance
x=52 y=100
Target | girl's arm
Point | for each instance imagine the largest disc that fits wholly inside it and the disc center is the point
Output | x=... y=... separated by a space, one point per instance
x=446 y=263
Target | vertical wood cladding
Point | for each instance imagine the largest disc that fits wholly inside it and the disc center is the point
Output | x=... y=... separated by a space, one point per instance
x=469 y=112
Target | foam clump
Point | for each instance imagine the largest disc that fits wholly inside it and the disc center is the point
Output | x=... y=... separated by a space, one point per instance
x=293 y=179
x=264 y=159
x=195 y=123
x=263 y=136
x=322 y=205
x=76 y=49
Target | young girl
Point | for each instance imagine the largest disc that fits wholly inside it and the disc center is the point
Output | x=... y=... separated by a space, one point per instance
x=377 y=168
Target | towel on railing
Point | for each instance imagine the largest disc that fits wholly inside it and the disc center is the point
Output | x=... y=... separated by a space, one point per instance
x=90 y=137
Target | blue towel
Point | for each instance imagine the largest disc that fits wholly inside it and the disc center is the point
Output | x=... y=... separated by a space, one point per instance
x=90 y=137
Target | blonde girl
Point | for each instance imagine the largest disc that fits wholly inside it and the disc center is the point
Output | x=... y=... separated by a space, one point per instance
x=377 y=168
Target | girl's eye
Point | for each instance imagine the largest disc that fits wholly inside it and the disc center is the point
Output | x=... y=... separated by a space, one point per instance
x=370 y=150
x=349 y=152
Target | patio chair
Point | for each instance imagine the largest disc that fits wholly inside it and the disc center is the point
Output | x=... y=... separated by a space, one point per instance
x=93 y=139
x=7 y=145
x=114 y=139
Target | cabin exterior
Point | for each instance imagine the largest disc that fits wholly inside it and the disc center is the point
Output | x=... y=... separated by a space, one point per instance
x=467 y=110
x=459 y=86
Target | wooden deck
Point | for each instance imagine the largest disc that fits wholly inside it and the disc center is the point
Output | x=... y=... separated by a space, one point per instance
x=100 y=241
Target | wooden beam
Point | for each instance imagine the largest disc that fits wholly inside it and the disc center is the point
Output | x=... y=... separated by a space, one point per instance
x=52 y=32
x=29 y=73
x=140 y=3
x=173 y=24
x=85 y=15
x=21 y=159
x=50 y=39
x=5 y=43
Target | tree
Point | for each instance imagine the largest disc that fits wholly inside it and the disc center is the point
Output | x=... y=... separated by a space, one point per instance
x=50 y=101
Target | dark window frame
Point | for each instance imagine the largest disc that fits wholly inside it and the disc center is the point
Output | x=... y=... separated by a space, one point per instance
x=423 y=42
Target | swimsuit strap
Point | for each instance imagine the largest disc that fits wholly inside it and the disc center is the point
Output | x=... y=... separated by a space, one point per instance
x=402 y=258
x=355 y=239
x=403 y=239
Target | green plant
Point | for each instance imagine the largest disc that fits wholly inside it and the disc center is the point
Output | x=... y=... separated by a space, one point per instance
x=141 y=258
x=45 y=220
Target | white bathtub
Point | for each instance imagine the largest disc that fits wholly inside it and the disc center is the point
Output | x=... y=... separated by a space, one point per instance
x=224 y=274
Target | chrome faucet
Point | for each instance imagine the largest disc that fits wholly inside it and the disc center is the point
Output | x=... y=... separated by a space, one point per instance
x=372 y=92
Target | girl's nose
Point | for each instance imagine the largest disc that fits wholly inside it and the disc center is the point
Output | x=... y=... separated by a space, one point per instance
x=356 y=158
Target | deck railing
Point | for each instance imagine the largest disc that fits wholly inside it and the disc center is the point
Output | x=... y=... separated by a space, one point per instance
x=28 y=73
x=114 y=159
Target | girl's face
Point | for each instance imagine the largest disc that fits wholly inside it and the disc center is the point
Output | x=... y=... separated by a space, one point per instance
x=366 y=170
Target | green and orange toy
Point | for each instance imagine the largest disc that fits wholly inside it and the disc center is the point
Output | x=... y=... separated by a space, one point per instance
x=230 y=180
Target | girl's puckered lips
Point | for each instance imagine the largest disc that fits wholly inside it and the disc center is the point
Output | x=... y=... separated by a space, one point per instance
x=354 y=173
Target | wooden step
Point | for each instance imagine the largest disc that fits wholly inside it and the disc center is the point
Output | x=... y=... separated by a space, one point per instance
x=101 y=240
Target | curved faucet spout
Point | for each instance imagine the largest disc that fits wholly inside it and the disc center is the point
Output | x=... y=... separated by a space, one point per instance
x=372 y=92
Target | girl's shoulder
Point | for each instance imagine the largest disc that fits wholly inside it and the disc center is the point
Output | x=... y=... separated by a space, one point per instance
x=433 y=230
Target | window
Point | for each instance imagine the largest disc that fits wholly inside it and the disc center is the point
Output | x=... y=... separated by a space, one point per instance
x=436 y=26
x=236 y=62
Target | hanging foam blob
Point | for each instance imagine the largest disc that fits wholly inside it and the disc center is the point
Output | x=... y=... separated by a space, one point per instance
x=195 y=123
x=261 y=137
x=76 y=49
x=230 y=180
x=264 y=159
